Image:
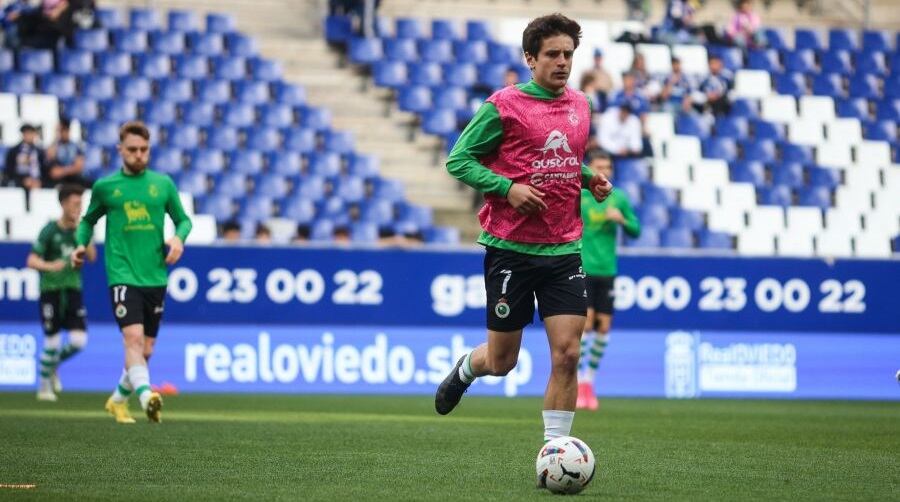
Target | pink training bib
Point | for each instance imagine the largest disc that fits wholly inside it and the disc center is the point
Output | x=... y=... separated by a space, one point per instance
x=543 y=146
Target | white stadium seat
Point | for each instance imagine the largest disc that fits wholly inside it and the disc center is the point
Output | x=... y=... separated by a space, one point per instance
x=694 y=59
x=26 y=227
x=868 y=178
x=869 y=245
x=657 y=58
x=892 y=179
x=873 y=154
x=741 y=196
x=283 y=230
x=887 y=200
x=834 y=154
x=43 y=110
x=699 y=198
x=793 y=244
x=817 y=108
x=752 y=84
x=834 y=243
x=709 y=173
x=779 y=108
x=847 y=197
x=845 y=131
x=9 y=129
x=882 y=223
x=843 y=220
x=187 y=202
x=803 y=220
x=660 y=125
x=752 y=242
x=671 y=173
x=9 y=107
x=45 y=202
x=766 y=220
x=683 y=148
x=617 y=58
x=13 y=201
x=806 y=132
x=727 y=219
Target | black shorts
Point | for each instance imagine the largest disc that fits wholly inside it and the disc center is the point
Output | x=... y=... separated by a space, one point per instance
x=601 y=293
x=62 y=309
x=513 y=280
x=138 y=305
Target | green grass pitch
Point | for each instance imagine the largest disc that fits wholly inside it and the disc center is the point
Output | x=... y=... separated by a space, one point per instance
x=214 y=447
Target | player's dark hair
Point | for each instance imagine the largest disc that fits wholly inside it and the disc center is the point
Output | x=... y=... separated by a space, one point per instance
x=68 y=190
x=135 y=127
x=548 y=26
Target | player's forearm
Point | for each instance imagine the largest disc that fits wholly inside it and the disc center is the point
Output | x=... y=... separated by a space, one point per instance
x=37 y=263
x=183 y=228
x=477 y=176
x=84 y=233
x=631 y=226
x=90 y=252
x=586 y=175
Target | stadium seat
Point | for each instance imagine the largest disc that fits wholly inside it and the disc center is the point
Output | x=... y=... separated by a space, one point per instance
x=132 y=41
x=82 y=109
x=318 y=119
x=95 y=40
x=720 y=148
x=690 y=124
x=871 y=63
x=793 y=84
x=136 y=88
x=262 y=139
x=808 y=39
x=857 y=108
x=229 y=67
x=253 y=92
x=436 y=51
x=406 y=27
x=325 y=164
x=687 y=219
x=828 y=84
x=873 y=154
x=365 y=51
x=819 y=108
x=414 y=98
x=192 y=66
x=779 y=108
x=240 y=45
x=851 y=198
x=824 y=177
x=776 y=195
x=71 y=62
x=745 y=108
x=444 y=29
x=633 y=172
x=428 y=74
x=265 y=70
x=351 y=189
x=816 y=196
x=867 y=245
x=684 y=148
x=167 y=160
x=775 y=38
x=470 y=51
x=184 y=137
x=460 y=74
x=61 y=86
x=300 y=140
x=311 y=188
x=272 y=186
x=363 y=233
x=245 y=161
x=288 y=94
x=737 y=196
x=206 y=44
x=37 y=61
x=209 y=161
x=765 y=130
x=478 y=30
x=276 y=115
x=752 y=84
x=439 y=122
x=700 y=200
x=183 y=21
x=748 y=172
x=198 y=113
x=175 y=90
x=17 y=83
x=389 y=74
x=108 y=17
x=795 y=245
x=649 y=238
x=284 y=163
x=299 y=209
x=677 y=238
x=837 y=62
x=806 y=131
x=114 y=64
x=764 y=59
x=213 y=91
x=864 y=86
x=340 y=142
x=119 y=110
x=843 y=39
x=715 y=240
x=103 y=134
x=338 y=29
x=888 y=109
x=154 y=66
x=791 y=152
x=632 y=189
x=834 y=243
x=97 y=87
x=145 y=19
x=657 y=195
x=732 y=58
x=219 y=23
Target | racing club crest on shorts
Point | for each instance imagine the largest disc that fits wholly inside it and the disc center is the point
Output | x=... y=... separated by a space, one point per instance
x=121 y=311
x=501 y=309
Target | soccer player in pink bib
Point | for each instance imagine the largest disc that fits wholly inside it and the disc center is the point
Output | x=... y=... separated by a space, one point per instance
x=524 y=150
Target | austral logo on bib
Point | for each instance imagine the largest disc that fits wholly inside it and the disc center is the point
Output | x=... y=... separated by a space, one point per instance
x=555 y=142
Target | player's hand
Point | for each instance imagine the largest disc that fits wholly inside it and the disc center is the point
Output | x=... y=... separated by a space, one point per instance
x=56 y=265
x=78 y=257
x=526 y=199
x=600 y=187
x=176 y=248
x=613 y=214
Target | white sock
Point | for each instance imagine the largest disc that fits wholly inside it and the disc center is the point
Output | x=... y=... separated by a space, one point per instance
x=465 y=369
x=49 y=360
x=140 y=379
x=557 y=423
x=124 y=389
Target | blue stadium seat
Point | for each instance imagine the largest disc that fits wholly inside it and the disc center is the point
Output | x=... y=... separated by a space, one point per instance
x=421 y=216
x=759 y=150
x=136 y=88
x=93 y=160
x=805 y=38
x=229 y=67
x=788 y=174
x=192 y=66
x=776 y=195
x=892 y=82
x=220 y=206
x=715 y=240
x=389 y=74
x=380 y=212
x=406 y=27
x=746 y=108
x=471 y=51
x=61 y=86
x=119 y=109
x=876 y=41
x=649 y=238
x=690 y=124
x=732 y=57
x=501 y=53
x=686 y=219
x=401 y=49
x=824 y=177
x=763 y=59
x=103 y=134
x=882 y=130
x=318 y=119
x=114 y=64
x=263 y=139
x=837 y=61
x=791 y=152
x=763 y=129
x=492 y=74
x=888 y=109
x=864 y=86
x=828 y=84
x=109 y=17
x=443 y=29
x=657 y=195
x=351 y=189
x=221 y=137
x=96 y=40
x=631 y=188
x=814 y=196
x=276 y=115
x=97 y=87
x=634 y=172
x=311 y=188
x=232 y=184
x=800 y=60
x=207 y=160
x=288 y=94
x=460 y=74
x=72 y=62
x=143 y=19
x=37 y=61
x=843 y=39
x=219 y=23
x=167 y=42
x=299 y=209
x=194 y=183
x=82 y=109
x=852 y=108
x=154 y=66
x=129 y=40
x=159 y=112
x=442 y=236
x=214 y=91
x=436 y=51
x=266 y=70
x=748 y=171
x=183 y=20
x=322 y=231
x=478 y=30
x=175 y=90
x=775 y=39
x=241 y=45
x=325 y=164
x=238 y=114
x=439 y=122
x=389 y=190
x=185 y=137
x=450 y=96
x=414 y=98
x=206 y=44
x=245 y=161
x=338 y=141
x=365 y=51
x=429 y=74
x=331 y=207
x=720 y=148
x=272 y=186
x=363 y=166
x=338 y=29
x=7 y=61
x=284 y=163
x=300 y=140
x=677 y=238
x=793 y=84
x=166 y=160
x=872 y=63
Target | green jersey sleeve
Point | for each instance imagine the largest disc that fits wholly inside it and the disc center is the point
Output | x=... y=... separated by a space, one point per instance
x=632 y=225
x=95 y=211
x=174 y=208
x=480 y=137
x=39 y=247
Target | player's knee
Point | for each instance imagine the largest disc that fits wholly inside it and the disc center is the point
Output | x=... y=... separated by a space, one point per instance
x=78 y=339
x=566 y=360
x=134 y=342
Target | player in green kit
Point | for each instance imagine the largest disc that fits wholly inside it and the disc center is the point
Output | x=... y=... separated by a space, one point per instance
x=135 y=202
x=598 y=255
x=61 y=302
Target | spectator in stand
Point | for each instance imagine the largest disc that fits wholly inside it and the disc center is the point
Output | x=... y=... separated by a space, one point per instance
x=231 y=232
x=675 y=88
x=10 y=17
x=744 y=29
x=639 y=71
x=25 y=162
x=630 y=95
x=65 y=159
x=603 y=82
x=678 y=24
x=341 y=234
x=263 y=234
x=620 y=132
x=712 y=96
x=511 y=77
x=302 y=235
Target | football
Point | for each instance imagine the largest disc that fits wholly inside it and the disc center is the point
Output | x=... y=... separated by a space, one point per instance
x=565 y=465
